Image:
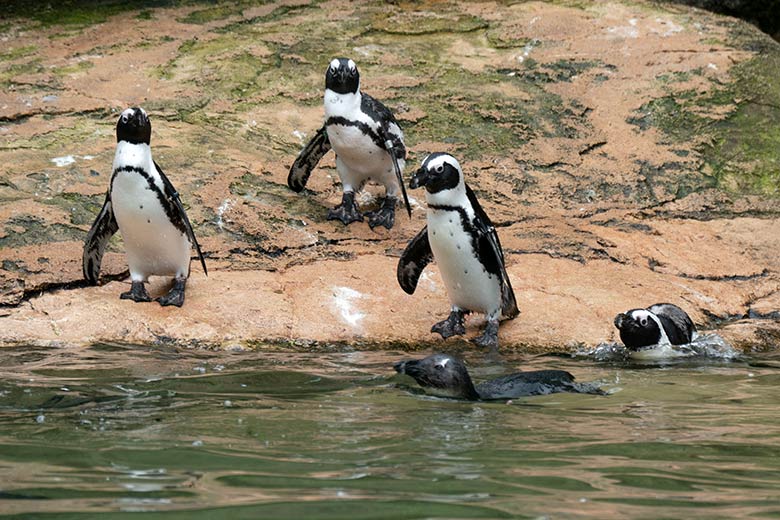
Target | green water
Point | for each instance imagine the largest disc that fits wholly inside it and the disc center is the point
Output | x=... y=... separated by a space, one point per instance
x=111 y=431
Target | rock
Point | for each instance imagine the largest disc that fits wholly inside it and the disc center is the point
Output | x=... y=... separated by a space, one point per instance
x=626 y=151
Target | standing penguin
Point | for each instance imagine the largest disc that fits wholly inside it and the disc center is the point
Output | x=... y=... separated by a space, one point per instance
x=461 y=238
x=659 y=324
x=368 y=142
x=143 y=204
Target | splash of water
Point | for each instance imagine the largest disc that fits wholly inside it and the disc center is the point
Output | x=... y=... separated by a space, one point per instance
x=708 y=346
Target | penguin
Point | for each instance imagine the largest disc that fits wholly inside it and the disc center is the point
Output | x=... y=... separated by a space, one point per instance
x=144 y=206
x=446 y=376
x=368 y=143
x=465 y=245
x=659 y=324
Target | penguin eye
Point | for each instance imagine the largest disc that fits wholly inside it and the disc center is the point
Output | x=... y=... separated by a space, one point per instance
x=643 y=321
x=439 y=168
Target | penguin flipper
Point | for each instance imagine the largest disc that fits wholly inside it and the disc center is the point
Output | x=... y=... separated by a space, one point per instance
x=391 y=136
x=100 y=233
x=178 y=207
x=413 y=260
x=308 y=159
x=395 y=147
x=492 y=256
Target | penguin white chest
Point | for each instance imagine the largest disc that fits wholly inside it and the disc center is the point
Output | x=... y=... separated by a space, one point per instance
x=154 y=245
x=352 y=135
x=356 y=148
x=469 y=285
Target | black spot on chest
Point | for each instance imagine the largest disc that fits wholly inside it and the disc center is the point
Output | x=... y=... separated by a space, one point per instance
x=464 y=218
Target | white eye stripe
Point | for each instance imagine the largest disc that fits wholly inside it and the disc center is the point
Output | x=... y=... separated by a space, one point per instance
x=443 y=362
x=644 y=316
x=351 y=65
x=334 y=64
x=440 y=161
x=130 y=112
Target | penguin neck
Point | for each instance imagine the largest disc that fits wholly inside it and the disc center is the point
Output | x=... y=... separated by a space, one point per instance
x=455 y=197
x=136 y=155
x=470 y=392
x=341 y=104
x=663 y=339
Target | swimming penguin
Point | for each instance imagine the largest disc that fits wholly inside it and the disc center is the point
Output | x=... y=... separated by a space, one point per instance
x=659 y=324
x=368 y=142
x=446 y=376
x=461 y=238
x=143 y=204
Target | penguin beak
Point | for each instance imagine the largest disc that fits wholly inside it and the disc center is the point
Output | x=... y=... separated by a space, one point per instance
x=138 y=119
x=342 y=75
x=406 y=367
x=619 y=319
x=419 y=179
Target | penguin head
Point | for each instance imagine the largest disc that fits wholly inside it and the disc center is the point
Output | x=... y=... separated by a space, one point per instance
x=438 y=172
x=342 y=76
x=638 y=328
x=134 y=126
x=440 y=374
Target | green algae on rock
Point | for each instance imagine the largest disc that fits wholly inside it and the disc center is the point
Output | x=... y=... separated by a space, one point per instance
x=733 y=124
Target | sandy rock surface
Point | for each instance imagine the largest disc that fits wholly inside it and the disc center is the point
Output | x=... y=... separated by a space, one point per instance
x=627 y=154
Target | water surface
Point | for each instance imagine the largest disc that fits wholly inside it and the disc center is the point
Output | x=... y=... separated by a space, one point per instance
x=194 y=434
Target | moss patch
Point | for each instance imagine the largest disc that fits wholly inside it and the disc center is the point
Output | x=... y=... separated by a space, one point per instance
x=427 y=22
x=83 y=13
x=745 y=151
x=561 y=70
x=210 y=14
x=9 y=72
x=17 y=52
x=80 y=66
x=740 y=149
x=83 y=209
x=25 y=230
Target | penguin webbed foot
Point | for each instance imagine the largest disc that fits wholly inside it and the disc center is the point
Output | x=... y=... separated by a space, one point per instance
x=137 y=293
x=175 y=296
x=452 y=326
x=347 y=212
x=384 y=216
x=489 y=337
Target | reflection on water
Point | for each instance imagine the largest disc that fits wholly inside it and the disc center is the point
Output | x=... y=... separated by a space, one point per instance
x=281 y=435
